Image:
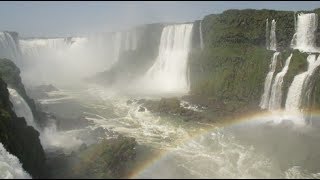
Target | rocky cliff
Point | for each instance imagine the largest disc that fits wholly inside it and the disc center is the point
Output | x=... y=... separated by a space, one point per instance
x=18 y=138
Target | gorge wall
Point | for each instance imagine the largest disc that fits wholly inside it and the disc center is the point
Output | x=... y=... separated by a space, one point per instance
x=232 y=67
x=20 y=139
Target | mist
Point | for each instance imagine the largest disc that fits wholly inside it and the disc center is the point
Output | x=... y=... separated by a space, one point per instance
x=159 y=90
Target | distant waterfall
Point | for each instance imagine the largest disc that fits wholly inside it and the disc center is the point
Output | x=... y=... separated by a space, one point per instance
x=276 y=90
x=267 y=35
x=273 y=39
x=10 y=166
x=9 y=48
x=201 y=38
x=264 y=103
x=169 y=72
x=21 y=108
x=304 y=38
x=296 y=91
x=130 y=40
x=59 y=60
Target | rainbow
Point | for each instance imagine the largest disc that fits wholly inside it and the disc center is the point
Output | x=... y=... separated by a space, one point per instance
x=249 y=117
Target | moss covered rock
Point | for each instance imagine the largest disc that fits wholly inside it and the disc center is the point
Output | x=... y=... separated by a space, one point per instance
x=18 y=138
x=107 y=159
x=10 y=73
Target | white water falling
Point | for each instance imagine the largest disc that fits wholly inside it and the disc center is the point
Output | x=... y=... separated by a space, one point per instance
x=10 y=166
x=9 y=48
x=296 y=91
x=273 y=39
x=62 y=60
x=264 y=103
x=169 y=72
x=276 y=90
x=130 y=41
x=304 y=38
x=21 y=108
x=201 y=38
x=267 y=35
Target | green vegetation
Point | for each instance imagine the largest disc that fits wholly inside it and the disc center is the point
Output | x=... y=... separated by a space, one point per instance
x=10 y=73
x=107 y=159
x=232 y=67
x=18 y=138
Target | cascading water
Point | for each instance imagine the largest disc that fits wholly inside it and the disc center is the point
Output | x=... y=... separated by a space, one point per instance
x=21 y=108
x=9 y=48
x=267 y=35
x=201 y=38
x=264 y=103
x=64 y=59
x=276 y=90
x=273 y=39
x=304 y=38
x=169 y=72
x=296 y=91
x=130 y=40
x=10 y=166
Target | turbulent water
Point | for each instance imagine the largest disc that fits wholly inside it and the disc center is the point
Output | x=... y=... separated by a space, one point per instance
x=304 y=38
x=264 y=103
x=273 y=39
x=10 y=167
x=9 y=48
x=296 y=92
x=169 y=73
x=276 y=90
x=238 y=151
x=21 y=108
x=254 y=149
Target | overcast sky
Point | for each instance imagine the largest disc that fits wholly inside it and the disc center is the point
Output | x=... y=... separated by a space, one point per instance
x=78 y=18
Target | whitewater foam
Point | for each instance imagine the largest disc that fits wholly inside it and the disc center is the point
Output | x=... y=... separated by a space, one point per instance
x=10 y=166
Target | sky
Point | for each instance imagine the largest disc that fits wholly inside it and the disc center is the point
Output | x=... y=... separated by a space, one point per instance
x=63 y=18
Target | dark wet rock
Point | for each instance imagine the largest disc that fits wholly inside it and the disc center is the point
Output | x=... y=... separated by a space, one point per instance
x=141 y=109
x=83 y=147
x=10 y=74
x=71 y=123
x=129 y=102
x=47 y=88
x=141 y=101
x=19 y=139
x=107 y=159
x=172 y=106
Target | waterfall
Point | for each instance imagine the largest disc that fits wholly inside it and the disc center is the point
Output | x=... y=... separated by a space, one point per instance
x=267 y=35
x=134 y=40
x=304 y=38
x=296 y=91
x=169 y=72
x=9 y=48
x=21 y=108
x=276 y=90
x=264 y=103
x=273 y=40
x=60 y=60
x=117 y=44
x=130 y=41
x=10 y=166
x=201 y=40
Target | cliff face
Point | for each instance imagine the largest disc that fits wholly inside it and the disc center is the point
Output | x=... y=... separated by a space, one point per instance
x=234 y=63
x=18 y=138
x=134 y=63
x=10 y=73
